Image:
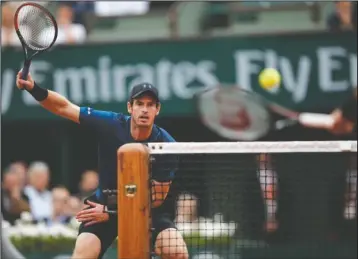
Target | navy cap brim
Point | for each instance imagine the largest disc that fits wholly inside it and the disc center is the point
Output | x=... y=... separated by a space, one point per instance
x=149 y=91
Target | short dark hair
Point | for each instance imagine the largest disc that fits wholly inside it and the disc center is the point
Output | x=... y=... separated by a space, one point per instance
x=131 y=101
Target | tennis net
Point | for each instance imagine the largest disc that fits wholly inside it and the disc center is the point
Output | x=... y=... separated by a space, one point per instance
x=256 y=199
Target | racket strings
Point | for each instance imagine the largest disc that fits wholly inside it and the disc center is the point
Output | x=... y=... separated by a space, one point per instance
x=233 y=113
x=36 y=27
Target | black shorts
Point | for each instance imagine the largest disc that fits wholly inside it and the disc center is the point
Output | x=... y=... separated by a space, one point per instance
x=107 y=231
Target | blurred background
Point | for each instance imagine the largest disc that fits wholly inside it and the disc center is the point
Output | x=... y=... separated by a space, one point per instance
x=103 y=48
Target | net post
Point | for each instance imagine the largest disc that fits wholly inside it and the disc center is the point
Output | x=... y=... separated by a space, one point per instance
x=133 y=202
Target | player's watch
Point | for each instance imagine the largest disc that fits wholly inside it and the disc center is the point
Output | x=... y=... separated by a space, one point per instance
x=109 y=212
x=110 y=206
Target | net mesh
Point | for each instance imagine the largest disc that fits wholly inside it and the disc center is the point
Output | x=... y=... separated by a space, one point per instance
x=256 y=200
x=36 y=27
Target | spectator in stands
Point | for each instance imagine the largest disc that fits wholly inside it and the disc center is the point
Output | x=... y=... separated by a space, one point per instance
x=88 y=184
x=13 y=200
x=68 y=32
x=39 y=196
x=60 y=197
x=75 y=205
x=21 y=169
x=83 y=11
x=344 y=17
x=187 y=208
x=8 y=34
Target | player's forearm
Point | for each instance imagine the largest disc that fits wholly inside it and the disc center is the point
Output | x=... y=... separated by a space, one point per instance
x=55 y=103
x=50 y=100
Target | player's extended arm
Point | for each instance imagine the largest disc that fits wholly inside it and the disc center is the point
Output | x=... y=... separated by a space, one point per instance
x=59 y=105
x=50 y=100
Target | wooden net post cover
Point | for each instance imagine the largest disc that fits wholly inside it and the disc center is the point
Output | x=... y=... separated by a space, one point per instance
x=133 y=202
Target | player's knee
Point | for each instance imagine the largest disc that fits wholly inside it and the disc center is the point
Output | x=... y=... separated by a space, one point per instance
x=88 y=246
x=171 y=245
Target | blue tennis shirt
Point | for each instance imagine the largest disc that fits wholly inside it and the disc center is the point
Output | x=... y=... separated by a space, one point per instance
x=113 y=131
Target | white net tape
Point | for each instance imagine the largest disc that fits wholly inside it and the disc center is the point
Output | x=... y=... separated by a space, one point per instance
x=253 y=147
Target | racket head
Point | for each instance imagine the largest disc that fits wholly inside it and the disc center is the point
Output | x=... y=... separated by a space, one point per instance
x=233 y=113
x=31 y=22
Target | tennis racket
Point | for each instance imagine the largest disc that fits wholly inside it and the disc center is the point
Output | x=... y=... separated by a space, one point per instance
x=36 y=29
x=238 y=114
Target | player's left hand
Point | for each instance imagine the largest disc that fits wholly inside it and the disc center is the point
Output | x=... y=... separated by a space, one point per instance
x=92 y=214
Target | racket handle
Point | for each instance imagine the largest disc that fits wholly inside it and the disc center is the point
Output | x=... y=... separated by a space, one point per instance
x=25 y=70
x=316 y=120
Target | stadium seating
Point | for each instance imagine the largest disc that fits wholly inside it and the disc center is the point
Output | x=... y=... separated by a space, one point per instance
x=153 y=24
x=247 y=17
x=189 y=19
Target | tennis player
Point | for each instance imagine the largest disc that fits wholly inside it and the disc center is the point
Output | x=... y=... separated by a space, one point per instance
x=98 y=229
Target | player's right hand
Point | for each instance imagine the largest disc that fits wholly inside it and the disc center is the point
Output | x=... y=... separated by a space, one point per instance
x=340 y=125
x=24 y=84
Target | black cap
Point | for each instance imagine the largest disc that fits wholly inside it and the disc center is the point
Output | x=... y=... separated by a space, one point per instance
x=142 y=88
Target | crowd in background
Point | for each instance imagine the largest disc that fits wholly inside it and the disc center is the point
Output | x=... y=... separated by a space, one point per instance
x=71 y=29
x=27 y=189
x=344 y=17
x=73 y=17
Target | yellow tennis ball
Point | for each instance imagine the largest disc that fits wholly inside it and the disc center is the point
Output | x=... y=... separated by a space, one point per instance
x=269 y=78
